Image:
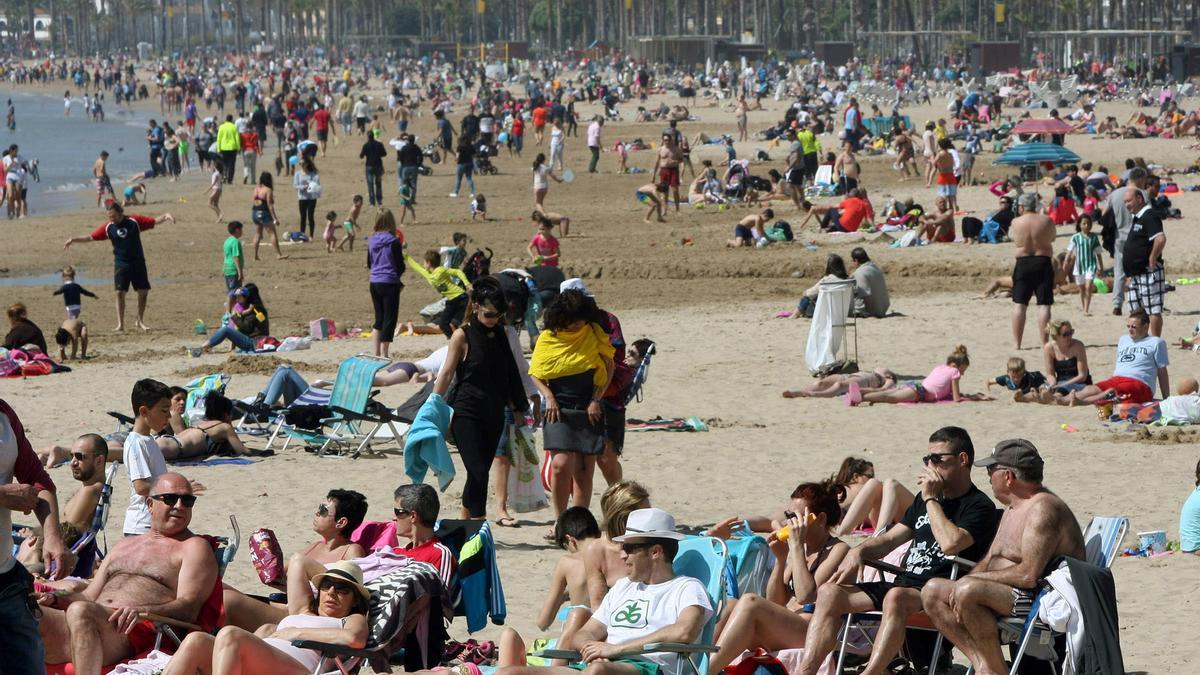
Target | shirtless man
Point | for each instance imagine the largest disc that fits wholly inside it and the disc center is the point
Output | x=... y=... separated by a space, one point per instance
x=943 y=164
x=1033 y=234
x=939 y=225
x=666 y=167
x=168 y=571
x=103 y=182
x=846 y=168
x=1037 y=528
x=928 y=150
x=89 y=459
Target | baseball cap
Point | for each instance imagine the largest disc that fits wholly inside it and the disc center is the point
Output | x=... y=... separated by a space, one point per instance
x=1017 y=453
x=575 y=284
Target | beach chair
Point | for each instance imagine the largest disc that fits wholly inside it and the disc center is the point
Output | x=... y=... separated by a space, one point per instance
x=87 y=550
x=702 y=558
x=823 y=183
x=351 y=426
x=277 y=417
x=639 y=377
x=1102 y=544
x=405 y=603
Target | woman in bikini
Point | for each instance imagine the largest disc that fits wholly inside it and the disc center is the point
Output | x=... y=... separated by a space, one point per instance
x=335 y=519
x=836 y=385
x=1065 y=361
x=263 y=214
x=806 y=557
x=867 y=502
x=212 y=436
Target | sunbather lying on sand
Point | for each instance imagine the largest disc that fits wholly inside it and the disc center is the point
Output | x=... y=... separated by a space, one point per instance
x=941 y=384
x=836 y=385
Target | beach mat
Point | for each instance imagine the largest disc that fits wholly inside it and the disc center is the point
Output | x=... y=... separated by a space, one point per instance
x=215 y=461
x=692 y=423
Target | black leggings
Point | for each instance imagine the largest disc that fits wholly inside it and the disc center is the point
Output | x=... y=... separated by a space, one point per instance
x=452 y=316
x=386 y=298
x=308 y=210
x=476 y=433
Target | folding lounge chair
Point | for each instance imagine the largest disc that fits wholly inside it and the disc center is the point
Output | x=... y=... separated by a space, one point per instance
x=277 y=416
x=639 y=376
x=404 y=604
x=348 y=402
x=702 y=558
x=87 y=550
x=1102 y=544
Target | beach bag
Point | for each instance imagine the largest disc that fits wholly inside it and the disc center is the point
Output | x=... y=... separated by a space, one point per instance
x=322 y=328
x=990 y=232
x=307 y=417
x=750 y=560
x=525 y=490
x=780 y=231
x=761 y=662
x=267 y=557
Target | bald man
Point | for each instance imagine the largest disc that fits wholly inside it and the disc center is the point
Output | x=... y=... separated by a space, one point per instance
x=168 y=571
x=89 y=458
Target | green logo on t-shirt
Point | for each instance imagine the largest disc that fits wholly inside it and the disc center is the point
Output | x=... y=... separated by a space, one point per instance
x=632 y=614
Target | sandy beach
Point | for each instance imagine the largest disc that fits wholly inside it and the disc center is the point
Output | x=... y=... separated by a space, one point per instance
x=722 y=357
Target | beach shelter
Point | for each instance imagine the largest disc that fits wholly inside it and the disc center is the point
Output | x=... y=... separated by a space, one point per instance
x=1035 y=155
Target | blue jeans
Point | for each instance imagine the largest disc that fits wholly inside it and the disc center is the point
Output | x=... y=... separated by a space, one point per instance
x=374 y=187
x=238 y=338
x=20 y=642
x=408 y=174
x=467 y=170
x=285 y=383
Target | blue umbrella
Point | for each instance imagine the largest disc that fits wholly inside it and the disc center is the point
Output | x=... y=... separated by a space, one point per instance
x=1028 y=154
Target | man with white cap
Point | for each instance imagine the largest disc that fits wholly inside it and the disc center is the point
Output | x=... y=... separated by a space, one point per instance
x=1037 y=528
x=651 y=604
x=614 y=399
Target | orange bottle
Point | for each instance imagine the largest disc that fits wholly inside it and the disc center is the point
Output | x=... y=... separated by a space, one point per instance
x=784 y=532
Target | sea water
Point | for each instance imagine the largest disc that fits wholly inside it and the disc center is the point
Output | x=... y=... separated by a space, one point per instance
x=66 y=147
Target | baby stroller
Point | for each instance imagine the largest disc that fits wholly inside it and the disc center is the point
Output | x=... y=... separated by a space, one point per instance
x=735 y=180
x=483 y=160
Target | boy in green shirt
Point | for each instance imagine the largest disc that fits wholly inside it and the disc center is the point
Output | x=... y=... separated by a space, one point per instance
x=234 y=266
x=450 y=282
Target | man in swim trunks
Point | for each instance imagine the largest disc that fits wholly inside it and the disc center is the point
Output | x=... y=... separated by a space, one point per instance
x=666 y=167
x=651 y=604
x=169 y=571
x=1033 y=275
x=947 y=182
x=103 y=182
x=1037 y=528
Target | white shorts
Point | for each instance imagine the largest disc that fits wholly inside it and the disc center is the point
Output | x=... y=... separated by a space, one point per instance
x=1085 y=278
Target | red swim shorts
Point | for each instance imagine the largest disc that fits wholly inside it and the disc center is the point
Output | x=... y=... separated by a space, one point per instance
x=1127 y=389
x=946 y=179
x=669 y=175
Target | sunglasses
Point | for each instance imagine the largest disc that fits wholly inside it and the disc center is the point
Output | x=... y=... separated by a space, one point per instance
x=489 y=315
x=336 y=587
x=633 y=548
x=995 y=468
x=80 y=456
x=400 y=513
x=323 y=510
x=936 y=458
x=1067 y=333
x=171 y=499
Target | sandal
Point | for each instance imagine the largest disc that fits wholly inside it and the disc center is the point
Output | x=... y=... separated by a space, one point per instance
x=507 y=521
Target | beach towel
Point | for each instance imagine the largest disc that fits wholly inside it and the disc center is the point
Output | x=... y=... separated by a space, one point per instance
x=425 y=447
x=18 y=363
x=692 y=423
x=560 y=353
x=198 y=388
x=215 y=461
x=374 y=535
x=1141 y=413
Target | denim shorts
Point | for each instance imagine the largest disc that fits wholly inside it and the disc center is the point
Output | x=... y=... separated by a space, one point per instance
x=232 y=283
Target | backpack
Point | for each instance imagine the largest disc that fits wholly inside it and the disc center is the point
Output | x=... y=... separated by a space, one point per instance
x=478 y=265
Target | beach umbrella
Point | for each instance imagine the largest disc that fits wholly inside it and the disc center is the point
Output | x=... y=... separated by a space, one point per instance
x=1030 y=154
x=1043 y=126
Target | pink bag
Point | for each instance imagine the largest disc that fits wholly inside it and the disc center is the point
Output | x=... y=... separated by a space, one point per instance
x=267 y=557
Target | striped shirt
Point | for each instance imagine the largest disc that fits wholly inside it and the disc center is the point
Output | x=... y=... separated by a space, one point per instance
x=1085 y=247
x=435 y=553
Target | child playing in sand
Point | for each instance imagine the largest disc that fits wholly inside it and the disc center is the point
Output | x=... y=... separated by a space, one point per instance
x=450 y=282
x=655 y=195
x=622 y=158
x=351 y=223
x=1085 y=258
x=453 y=256
x=134 y=195
x=751 y=229
x=233 y=264
x=328 y=235
x=216 y=184
x=1026 y=386
x=941 y=384
x=406 y=202
x=72 y=293
x=575 y=532
x=543 y=248
x=479 y=207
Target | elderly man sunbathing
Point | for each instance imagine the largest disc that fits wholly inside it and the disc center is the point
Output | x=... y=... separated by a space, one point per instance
x=649 y=605
x=168 y=571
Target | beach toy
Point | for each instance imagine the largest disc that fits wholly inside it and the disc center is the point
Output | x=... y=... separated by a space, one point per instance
x=643 y=197
x=503 y=137
x=1153 y=542
x=293 y=160
x=1101 y=285
x=1068 y=428
x=200 y=327
x=568 y=175
x=784 y=532
x=722 y=207
x=182 y=200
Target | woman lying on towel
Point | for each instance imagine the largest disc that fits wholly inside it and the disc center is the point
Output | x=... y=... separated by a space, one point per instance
x=867 y=502
x=336 y=614
x=837 y=384
x=941 y=384
x=807 y=554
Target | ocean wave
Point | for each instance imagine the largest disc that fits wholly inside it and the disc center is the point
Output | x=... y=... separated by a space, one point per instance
x=68 y=187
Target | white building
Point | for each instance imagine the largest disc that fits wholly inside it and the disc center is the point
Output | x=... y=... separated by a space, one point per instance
x=41 y=25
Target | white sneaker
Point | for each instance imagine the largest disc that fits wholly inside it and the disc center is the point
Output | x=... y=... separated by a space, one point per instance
x=452 y=194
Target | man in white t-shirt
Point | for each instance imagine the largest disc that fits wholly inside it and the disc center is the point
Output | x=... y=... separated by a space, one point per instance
x=651 y=604
x=152 y=410
x=1141 y=362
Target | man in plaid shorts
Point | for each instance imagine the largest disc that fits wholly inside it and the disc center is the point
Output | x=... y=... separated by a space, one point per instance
x=1142 y=260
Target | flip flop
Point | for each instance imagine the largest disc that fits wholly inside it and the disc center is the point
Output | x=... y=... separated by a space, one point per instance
x=507 y=522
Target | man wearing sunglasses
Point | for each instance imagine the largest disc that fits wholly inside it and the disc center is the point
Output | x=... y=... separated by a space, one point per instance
x=415 y=513
x=949 y=517
x=24 y=487
x=1037 y=528
x=168 y=571
x=89 y=459
x=651 y=604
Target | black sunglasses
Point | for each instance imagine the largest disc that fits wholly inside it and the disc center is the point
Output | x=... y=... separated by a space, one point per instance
x=635 y=547
x=489 y=315
x=323 y=509
x=336 y=587
x=936 y=458
x=171 y=499
x=80 y=456
x=401 y=512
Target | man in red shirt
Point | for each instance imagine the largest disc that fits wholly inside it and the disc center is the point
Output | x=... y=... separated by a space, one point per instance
x=416 y=511
x=849 y=215
x=129 y=260
x=321 y=119
x=24 y=487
